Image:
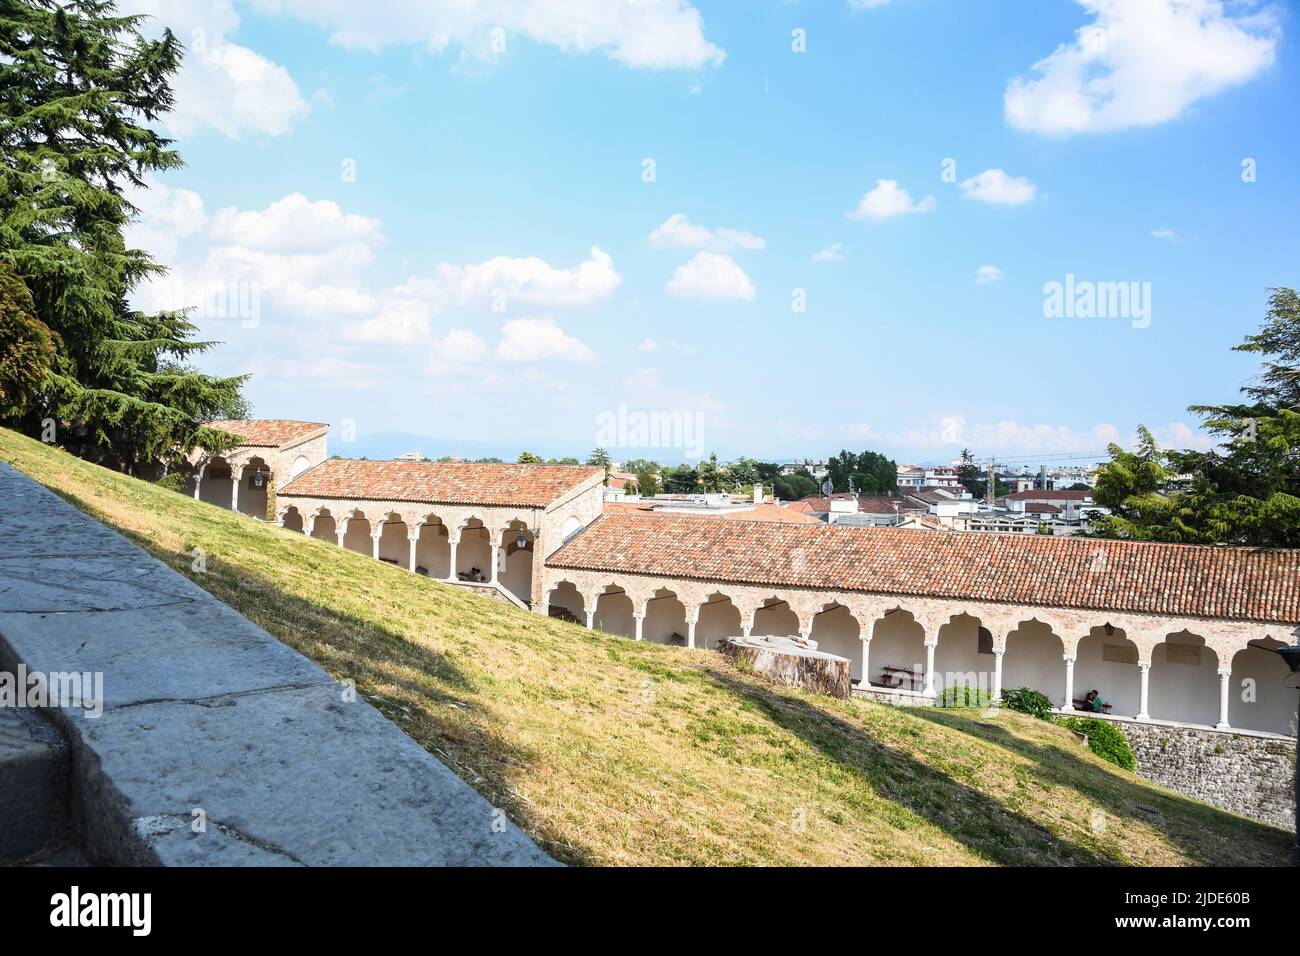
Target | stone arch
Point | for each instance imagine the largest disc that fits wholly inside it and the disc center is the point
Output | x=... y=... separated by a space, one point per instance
x=291 y=519
x=394 y=540
x=474 y=551
x=614 y=611
x=1035 y=658
x=300 y=464
x=1184 y=680
x=572 y=525
x=665 y=618
x=356 y=532
x=897 y=650
x=215 y=477
x=1258 y=698
x=718 y=618
x=1106 y=660
x=323 y=525
x=433 y=548
x=837 y=631
x=776 y=617
x=963 y=654
x=515 y=571
x=254 y=488
x=567 y=603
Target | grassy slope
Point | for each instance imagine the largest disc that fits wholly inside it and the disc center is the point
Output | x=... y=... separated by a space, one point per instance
x=612 y=752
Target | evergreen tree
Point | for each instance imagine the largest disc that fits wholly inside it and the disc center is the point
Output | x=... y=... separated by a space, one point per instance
x=26 y=346
x=79 y=88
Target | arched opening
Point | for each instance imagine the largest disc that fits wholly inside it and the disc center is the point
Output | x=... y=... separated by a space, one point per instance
x=214 y=483
x=393 y=545
x=254 y=484
x=964 y=655
x=474 y=553
x=719 y=619
x=775 y=617
x=1035 y=658
x=300 y=464
x=565 y=602
x=1184 y=681
x=1106 y=661
x=665 y=619
x=291 y=519
x=571 y=527
x=1258 y=698
x=356 y=534
x=323 y=526
x=517 y=551
x=614 y=613
x=898 y=651
x=433 y=549
x=836 y=631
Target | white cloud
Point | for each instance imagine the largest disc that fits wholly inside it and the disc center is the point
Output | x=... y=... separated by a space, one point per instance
x=294 y=223
x=678 y=232
x=995 y=186
x=647 y=390
x=166 y=216
x=221 y=84
x=535 y=340
x=1139 y=63
x=667 y=345
x=531 y=281
x=986 y=274
x=888 y=200
x=711 y=276
x=652 y=34
x=832 y=253
x=461 y=346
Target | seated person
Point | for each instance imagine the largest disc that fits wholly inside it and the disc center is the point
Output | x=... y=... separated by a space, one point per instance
x=1093 y=703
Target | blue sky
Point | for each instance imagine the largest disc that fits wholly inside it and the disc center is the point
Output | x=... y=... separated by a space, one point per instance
x=444 y=222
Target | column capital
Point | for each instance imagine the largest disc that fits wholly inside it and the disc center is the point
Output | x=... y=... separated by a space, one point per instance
x=1144 y=666
x=931 y=642
x=1068 y=659
x=1225 y=672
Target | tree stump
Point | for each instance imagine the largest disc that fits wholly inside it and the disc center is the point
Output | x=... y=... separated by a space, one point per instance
x=793 y=662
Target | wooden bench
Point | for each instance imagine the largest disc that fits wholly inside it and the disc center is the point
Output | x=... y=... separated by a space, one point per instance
x=897 y=676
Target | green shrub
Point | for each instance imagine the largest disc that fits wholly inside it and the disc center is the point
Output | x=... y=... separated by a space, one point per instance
x=1104 y=739
x=1028 y=701
x=963 y=696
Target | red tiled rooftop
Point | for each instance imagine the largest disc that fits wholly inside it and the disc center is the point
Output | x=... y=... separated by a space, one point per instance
x=761 y=512
x=1062 y=495
x=269 y=432
x=531 y=486
x=1139 y=577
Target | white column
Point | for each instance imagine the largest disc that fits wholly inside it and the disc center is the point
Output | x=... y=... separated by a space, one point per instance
x=866 y=663
x=997 y=673
x=640 y=625
x=591 y=619
x=746 y=628
x=374 y=543
x=234 y=490
x=1145 y=668
x=452 y=543
x=690 y=633
x=806 y=633
x=1069 y=684
x=410 y=560
x=340 y=533
x=198 y=482
x=929 y=667
x=495 y=557
x=1225 y=676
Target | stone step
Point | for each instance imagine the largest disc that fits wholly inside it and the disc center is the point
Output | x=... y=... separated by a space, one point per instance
x=33 y=786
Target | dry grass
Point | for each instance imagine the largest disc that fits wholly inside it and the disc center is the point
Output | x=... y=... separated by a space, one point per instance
x=612 y=752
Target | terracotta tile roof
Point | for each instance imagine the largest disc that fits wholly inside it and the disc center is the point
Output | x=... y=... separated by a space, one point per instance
x=762 y=512
x=1041 y=507
x=532 y=486
x=269 y=432
x=1140 y=577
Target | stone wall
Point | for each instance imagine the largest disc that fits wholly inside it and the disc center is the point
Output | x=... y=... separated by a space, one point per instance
x=1250 y=774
